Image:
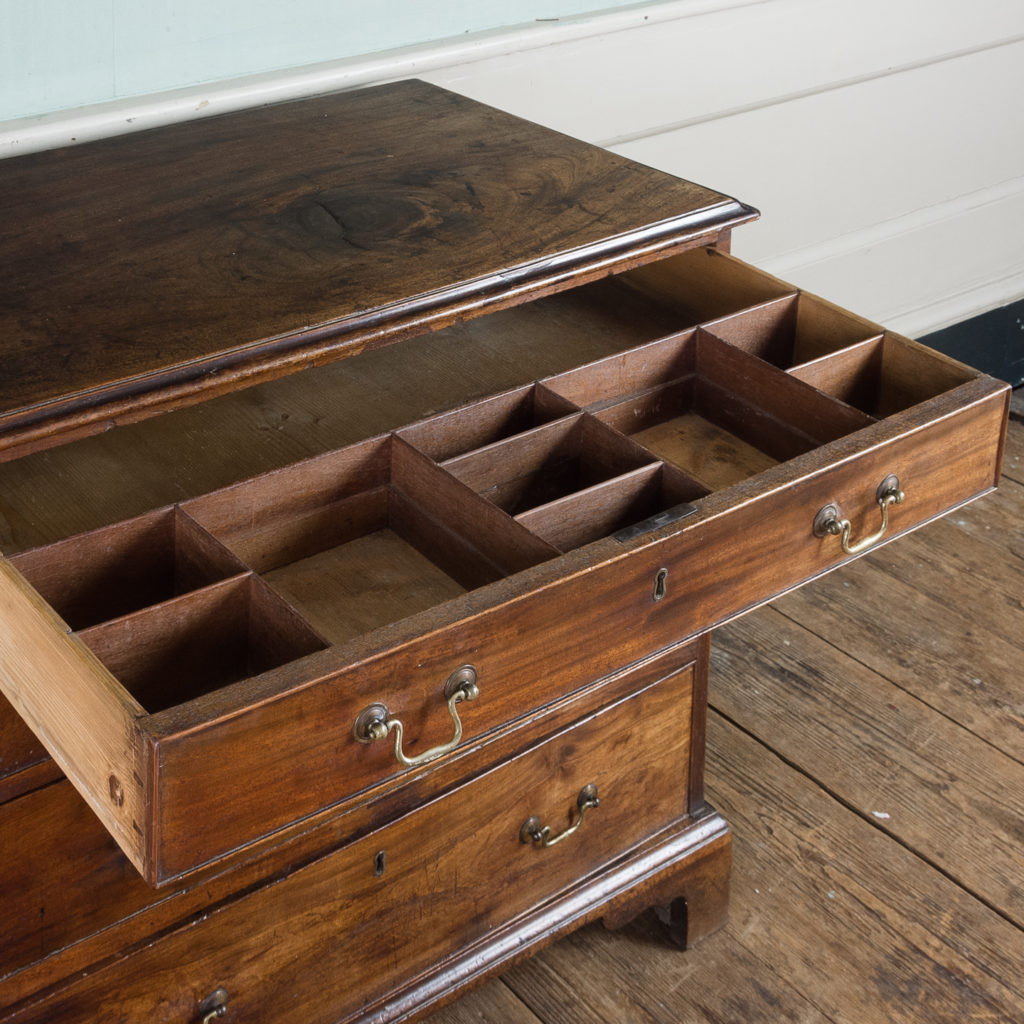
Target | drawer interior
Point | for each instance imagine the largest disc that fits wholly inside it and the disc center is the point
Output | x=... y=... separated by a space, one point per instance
x=366 y=536
x=186 y=600
x=883 y=376
x=107 y=573
x=167 y=654
x=707 y=408
x=794 y=330
x=727 y=373
x=500 y=527
x=547 y=463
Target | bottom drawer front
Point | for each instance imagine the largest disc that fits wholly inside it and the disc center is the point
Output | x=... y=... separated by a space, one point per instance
x=340 y=934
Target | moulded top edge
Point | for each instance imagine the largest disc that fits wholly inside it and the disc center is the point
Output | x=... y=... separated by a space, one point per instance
x=156 y=270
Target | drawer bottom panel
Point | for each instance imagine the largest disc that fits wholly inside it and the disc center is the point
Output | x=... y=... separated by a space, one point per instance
x=342 y=933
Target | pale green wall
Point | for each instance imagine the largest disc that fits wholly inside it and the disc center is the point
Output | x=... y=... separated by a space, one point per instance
x=56 y=54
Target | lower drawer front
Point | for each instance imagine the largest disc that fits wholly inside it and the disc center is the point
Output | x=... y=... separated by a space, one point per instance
x=338 y=935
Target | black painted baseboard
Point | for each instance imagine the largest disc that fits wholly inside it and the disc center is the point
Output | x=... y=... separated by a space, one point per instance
x=992 y=342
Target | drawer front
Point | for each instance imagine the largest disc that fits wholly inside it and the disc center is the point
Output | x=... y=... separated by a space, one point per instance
x=739 y=550
x=531 y=658
x=338 y=935
x=745 y=553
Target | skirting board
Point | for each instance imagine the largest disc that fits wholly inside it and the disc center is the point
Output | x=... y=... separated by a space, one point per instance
x=993 y=342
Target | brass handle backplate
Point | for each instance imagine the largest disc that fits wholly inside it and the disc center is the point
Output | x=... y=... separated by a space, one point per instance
x=829 y=521
x=540 y=835
x=376 y=721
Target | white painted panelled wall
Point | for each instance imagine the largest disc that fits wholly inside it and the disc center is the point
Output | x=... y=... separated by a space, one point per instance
x=883 y=140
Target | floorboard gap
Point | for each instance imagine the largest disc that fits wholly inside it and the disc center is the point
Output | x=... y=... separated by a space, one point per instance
x=869 y=818
x=838 y=647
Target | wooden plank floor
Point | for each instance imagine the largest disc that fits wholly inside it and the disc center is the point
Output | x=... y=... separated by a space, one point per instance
x=866 y=743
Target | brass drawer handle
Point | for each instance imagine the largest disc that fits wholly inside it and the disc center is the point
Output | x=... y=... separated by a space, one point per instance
x=375 y=722
x=214 y=1006
x=828 y=521
x=533 y=832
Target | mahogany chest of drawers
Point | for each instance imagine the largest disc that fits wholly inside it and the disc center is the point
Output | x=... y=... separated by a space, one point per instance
x=379 y=656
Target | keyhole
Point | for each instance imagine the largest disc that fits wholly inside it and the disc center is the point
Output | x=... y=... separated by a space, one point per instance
x=659 y=584
x=380 y=862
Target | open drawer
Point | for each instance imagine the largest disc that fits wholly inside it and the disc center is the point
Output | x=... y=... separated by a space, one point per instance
x=223 y=669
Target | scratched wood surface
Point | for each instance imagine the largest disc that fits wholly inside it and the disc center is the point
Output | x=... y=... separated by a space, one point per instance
x=866 y=743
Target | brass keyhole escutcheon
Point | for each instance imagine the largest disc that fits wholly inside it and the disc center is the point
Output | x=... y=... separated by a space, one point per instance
x=660 y=578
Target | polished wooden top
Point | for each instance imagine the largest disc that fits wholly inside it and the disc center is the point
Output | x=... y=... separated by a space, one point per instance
x=153 y=269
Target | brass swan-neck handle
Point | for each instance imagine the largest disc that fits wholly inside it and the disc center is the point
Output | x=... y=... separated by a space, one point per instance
x=376 y=722
x=828 y=521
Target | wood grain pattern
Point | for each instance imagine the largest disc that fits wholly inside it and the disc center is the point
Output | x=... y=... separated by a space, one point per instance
x=776 y=399
x=172 y=653
x=78 y=711
x=705 y=284
x=792 y=331
x=548 y=463
x=227 y=250
x=954 y=652
x=452 y=521
x=838 y=916
x=522 y=639
x=101 y=575
x=601 y=509
x=851 y=375
x=192 y=451
x=91 y=904
x=513 y=630
x=698 y=372
x=494 y=1003
x=831 y=922
x=446 y=437
x=289 y=853
x=369 y=581
x=711 y=455
x=911 y=373
x=914 y=772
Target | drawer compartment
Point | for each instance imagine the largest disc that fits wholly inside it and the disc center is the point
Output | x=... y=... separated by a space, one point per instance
x=707 y=408
x=121 y=569
x=883 y=376
x=359 y=921
x=794 y=330
x=366 y=536
x=171 y=653
x=546 y=464
x=641 y=499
